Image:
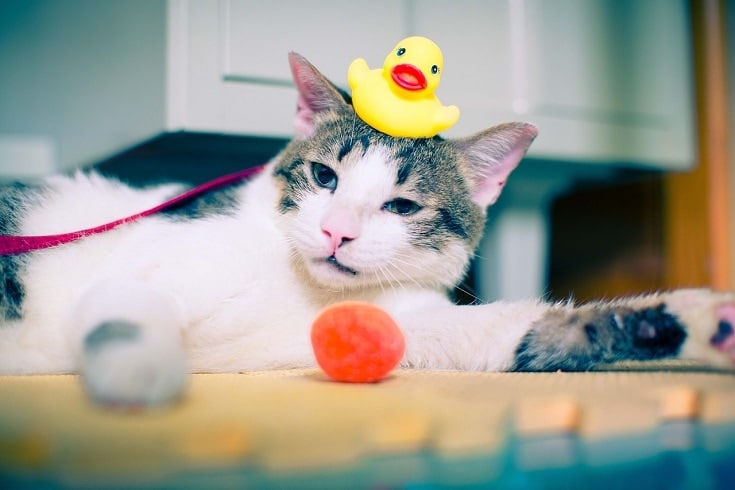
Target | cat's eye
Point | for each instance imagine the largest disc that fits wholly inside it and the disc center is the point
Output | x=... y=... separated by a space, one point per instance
x=324 y=176
x=404 y=207
x=401 y=51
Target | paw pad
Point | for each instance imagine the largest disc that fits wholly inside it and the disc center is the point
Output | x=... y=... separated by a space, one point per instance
x=724 y=338
x=654 y=333
x=646 y=330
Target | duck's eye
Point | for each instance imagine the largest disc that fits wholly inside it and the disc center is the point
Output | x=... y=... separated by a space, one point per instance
x=434 y=69
x=401 y=51
x=324 y=176
x=404 y=207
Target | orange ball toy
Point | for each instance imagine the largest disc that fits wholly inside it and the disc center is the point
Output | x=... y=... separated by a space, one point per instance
x=356 y=342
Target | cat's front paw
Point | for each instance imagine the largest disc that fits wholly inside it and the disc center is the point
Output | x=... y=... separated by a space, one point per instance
x=123 y=366
x=581 y=338
x=709 y=319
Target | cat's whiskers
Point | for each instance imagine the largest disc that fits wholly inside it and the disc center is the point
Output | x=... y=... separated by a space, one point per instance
x=429 y=275
x=381 y=272
x=398 y=259
x=475 y=299
x=390 y=278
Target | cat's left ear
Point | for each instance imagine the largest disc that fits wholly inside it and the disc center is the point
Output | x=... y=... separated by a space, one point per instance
x=492 y=155
x=316 y=94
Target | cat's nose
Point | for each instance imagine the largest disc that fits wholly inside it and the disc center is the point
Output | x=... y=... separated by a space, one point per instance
x=337 y=238
x=341 y=224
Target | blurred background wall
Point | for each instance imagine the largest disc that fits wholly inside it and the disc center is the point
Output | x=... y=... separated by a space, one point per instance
x=79 y=80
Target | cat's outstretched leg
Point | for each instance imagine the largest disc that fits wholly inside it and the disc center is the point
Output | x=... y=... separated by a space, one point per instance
x=129 y=345
x=687 y=324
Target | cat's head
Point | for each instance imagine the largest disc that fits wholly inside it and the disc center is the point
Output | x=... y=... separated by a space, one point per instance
x=363 y=209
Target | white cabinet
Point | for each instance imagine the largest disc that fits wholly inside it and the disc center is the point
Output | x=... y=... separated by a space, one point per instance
x=325 y=30
x=620 y=79
x=228 y=59
x=606 y=81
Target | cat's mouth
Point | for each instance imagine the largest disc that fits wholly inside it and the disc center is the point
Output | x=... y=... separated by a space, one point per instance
x=332 y=260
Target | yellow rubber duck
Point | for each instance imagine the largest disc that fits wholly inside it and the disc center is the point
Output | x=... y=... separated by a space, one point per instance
x=399 y=99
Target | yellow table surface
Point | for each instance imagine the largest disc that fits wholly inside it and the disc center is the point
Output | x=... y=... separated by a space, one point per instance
x=298 y=420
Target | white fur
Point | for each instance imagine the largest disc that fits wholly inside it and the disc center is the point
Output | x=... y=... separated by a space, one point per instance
x=228 y=279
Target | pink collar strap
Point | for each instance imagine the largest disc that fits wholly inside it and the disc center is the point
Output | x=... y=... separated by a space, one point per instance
x=14 y=245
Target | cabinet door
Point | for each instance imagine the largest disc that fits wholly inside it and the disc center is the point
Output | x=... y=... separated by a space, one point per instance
x=229 y=58
x=606 y=81
x=616 y=78
x=255 y=35
x=482 y=53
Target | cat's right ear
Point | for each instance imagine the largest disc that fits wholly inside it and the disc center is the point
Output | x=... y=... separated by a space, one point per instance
x=316 y=94
x=492 y=155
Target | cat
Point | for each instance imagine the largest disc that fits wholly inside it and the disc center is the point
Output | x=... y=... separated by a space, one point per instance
x=232 y=281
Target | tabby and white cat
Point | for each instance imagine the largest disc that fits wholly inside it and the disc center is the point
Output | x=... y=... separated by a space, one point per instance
x=342 y=213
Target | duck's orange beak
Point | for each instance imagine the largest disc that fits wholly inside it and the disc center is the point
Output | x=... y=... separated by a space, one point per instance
x=408 y=77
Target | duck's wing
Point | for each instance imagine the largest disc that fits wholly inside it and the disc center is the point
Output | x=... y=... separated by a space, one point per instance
x=357 y=72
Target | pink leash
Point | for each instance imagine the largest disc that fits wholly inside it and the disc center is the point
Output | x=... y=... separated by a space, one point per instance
x=13 y=245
